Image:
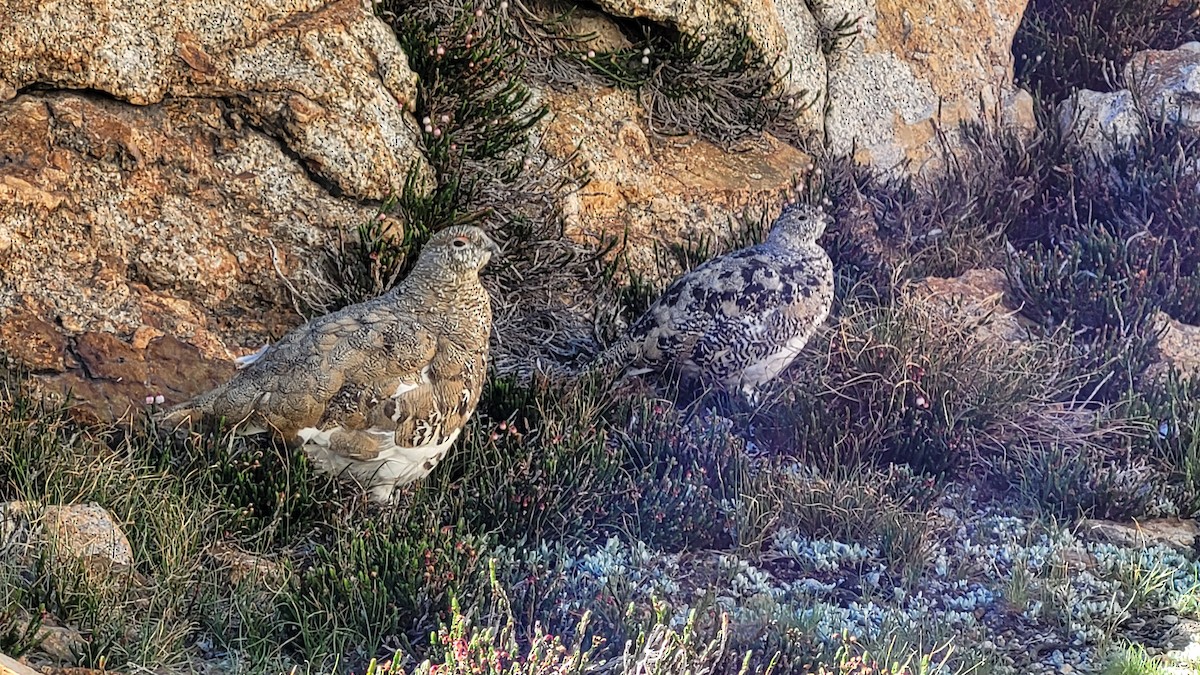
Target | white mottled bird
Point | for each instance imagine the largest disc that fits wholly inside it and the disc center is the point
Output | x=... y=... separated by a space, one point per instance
x=378 y=391
x=737 y=320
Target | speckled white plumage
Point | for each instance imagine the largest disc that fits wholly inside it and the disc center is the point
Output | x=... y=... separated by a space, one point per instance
x=738 y=320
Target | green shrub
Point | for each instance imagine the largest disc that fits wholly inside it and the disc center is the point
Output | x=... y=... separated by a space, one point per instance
x=377 y=257
x=264 y=489
x=1064 y=45
x=649 y=471
x=994 y=188
x=471 y=100
x=1099 y=285
x=518 y=472
x=380 y=579
x=721 y=88
x=1169 y=410
x=1070 y=483
x=685 y=476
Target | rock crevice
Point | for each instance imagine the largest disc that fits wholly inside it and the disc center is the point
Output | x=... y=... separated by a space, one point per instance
x=327 y=77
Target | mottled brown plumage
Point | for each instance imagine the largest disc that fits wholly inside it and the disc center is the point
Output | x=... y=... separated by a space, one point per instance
x=377 y=391
x=738 y=320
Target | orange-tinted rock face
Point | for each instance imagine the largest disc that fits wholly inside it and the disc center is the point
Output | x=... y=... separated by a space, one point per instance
x=34 y=343
x=112 y=378
x=134 y=230
x=654 y=190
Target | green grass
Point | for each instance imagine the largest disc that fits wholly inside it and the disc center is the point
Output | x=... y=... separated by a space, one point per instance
x=887 y=508
x=1133 y=660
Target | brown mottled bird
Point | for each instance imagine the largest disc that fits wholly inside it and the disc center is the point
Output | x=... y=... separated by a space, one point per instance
x=737 y=320
x=377 y=391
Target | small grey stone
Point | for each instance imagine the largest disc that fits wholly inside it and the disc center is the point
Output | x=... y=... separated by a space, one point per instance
x=1100 y=124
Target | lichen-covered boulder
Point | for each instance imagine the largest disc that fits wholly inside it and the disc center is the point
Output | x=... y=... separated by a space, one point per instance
x=145 y=238
x=1100 y=124
x=1167 y=83
x=655 y=191
x=918 y=66
x=148 y=245
x=883 y=75
x=1162 y=85
x=77 y=533
x=326 y=76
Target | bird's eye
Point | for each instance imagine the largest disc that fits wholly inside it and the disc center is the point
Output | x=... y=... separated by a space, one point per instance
x=459 y=242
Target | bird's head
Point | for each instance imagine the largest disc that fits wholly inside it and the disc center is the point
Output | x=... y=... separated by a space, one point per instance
x=461 y=249
x=798 y=225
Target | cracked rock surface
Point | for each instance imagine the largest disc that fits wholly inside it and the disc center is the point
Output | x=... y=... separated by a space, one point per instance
x=141 y=254
x=901 y=71
x=325 y=76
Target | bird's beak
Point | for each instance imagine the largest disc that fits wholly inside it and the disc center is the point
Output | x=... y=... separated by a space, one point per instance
x=492 y=247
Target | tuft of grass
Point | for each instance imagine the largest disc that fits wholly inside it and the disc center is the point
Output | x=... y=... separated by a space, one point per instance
x=378 y=581
x=888 y=508
x=697 y=648
x=137 y=615
x=472 y=102
x=1114 y=249
x=518 y=471
x=890 y=384
x=19 y=626
x=265 y=490
x=1069 y=483
x=852 y=659
x=1133 y=659
x=721 y=88
x=863 y=268
x=1153 y=193
x=1094 y=252
x=1169 y=410
x=839 y=35
x=891 y=228
x=463 y=647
